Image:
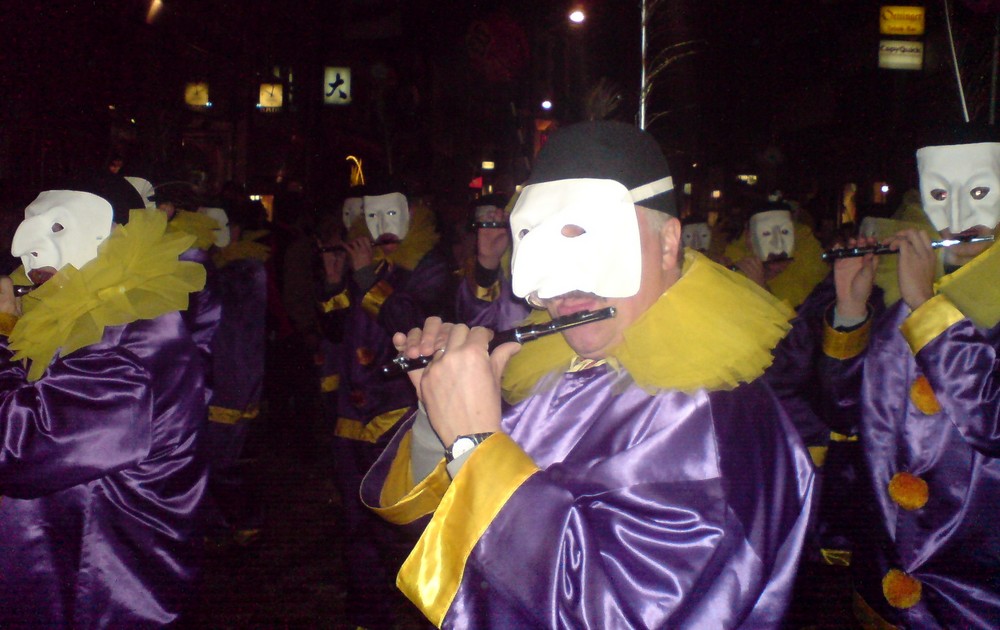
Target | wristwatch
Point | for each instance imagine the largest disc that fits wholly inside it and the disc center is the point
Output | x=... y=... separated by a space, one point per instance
x=463 y=444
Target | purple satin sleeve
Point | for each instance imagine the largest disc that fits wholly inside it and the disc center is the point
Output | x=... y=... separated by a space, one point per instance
x=423 y=293
x=504 y=312
x=102 y=482
x=90 y=417
x=204 y=307
x=666 y=511
x=238 y=348
x=961 y=367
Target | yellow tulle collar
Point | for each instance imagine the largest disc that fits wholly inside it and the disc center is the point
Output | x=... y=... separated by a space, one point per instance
x=199 y=225
x=136 y=276
x=247 y=247
x=974 y=288
x=420 y=238
x=713 y=329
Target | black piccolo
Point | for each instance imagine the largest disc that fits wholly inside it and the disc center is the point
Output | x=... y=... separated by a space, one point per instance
x=521 y=334
x=487 y=225
x=21 y=289
x=879 y=250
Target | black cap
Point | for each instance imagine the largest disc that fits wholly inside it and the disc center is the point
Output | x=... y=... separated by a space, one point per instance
x=115 y=189
x=606 y=149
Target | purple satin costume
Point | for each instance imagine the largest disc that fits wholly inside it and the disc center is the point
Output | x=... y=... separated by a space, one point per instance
x=951 y=545
x=661 y=511
x=370 y=409
x=100 y=481
x=238 y=377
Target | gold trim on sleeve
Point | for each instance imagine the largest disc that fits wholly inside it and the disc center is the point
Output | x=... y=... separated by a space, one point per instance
x=846 y=345
x=329 y=384
x=432 y=573
x=401 y=501
x=338 y=302
x=930 y=319
x=372 y=430
x=376 y=297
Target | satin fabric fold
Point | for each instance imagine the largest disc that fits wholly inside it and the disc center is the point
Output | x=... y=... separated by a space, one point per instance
x=102 y=481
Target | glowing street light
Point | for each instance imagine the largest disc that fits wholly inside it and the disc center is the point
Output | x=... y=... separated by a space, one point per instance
x=577 y=16
x=546 y=104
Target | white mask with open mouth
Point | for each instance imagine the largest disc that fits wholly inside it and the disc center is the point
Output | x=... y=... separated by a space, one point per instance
x=62 y=227
x=960 y=185
x=772 y=234
x=387 y=214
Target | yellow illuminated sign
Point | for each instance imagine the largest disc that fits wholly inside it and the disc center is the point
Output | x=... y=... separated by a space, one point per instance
x=901 y=20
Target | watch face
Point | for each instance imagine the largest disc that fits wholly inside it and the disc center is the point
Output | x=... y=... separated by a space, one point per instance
x=462 y=446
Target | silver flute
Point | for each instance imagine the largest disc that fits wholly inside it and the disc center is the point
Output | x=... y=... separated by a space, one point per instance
x=880 y=250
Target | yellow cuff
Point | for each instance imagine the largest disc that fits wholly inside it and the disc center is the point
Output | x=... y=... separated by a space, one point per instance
x=329 y=384
x=400 y=501
x=7 y=322
x=223 y=415
x=846 y=345
x=432 y=573
x=337 y=302
x=931 y=319
x=373 y=429
x=376 y=297
x=487 y=294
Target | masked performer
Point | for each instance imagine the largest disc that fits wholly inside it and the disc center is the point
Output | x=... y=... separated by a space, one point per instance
x=639 y=475
x=919 y=380
x=101 y=398
x=394 y=278
x=778 y=254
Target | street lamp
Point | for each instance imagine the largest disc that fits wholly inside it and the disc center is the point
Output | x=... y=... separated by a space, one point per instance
x=577 y=16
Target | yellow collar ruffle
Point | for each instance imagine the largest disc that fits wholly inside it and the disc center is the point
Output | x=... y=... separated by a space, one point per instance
x=713 y=329
x=974 y=288
x=201 y=226
x=420 y=238
x=247 y=247
x=136 y=276
x=795 y=283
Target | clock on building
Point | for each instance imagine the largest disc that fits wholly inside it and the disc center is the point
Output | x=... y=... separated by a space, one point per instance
x=270 y=96
x=196 y=94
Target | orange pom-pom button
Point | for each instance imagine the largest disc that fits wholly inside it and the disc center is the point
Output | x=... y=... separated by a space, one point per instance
x=365 y=356
x=909 y=491
x=922 y=395
x=900 y=589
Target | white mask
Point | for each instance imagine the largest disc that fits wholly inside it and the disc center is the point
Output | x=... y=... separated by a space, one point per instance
x=352 y=209
x=960 y=185
x=387 y=214
x=772 y=234
x=697 y=236
x=221 y=236
x=62 y=227
x=145 y=190
x=605 y=260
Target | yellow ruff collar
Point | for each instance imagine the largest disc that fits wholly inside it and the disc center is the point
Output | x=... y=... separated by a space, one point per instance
x=136 y=276
x=246 y=247
x=196 y=224
x=713 y=329
x=974 y=288
x=420 y=238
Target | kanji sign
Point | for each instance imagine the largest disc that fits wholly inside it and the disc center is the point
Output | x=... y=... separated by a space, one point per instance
x=337 y=86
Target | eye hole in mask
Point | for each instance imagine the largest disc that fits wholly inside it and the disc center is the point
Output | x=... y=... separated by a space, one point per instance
x=572 y=231
x=523 y=233
x=939 y=194
x=57 y=227
x=979 y=192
